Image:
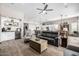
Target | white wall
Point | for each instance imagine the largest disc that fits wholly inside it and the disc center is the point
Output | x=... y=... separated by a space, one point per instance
x=32 y=25
x=0 y=29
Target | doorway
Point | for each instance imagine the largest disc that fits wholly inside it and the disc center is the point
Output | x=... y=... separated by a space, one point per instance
x=25 y=28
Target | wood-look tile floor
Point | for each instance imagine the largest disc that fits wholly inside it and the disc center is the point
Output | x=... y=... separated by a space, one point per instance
x=19 y=48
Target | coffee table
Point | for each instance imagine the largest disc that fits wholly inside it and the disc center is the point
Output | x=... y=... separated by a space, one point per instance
x=40 y=45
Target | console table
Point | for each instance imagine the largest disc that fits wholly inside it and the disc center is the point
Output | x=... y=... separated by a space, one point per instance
x=39 y=46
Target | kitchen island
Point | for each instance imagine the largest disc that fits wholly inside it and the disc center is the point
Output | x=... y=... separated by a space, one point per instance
x=7 y=36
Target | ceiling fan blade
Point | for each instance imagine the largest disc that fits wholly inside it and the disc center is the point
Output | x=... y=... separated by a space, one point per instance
x=44 y=3
x=39 y=9
x=45 y=7
x=49 y=10
x=41 y=12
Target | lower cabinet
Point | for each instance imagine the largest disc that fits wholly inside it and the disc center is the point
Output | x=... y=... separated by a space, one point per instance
x=7 y=36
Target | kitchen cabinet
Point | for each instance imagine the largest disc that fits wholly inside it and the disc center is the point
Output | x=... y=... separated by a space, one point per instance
x=7 y=36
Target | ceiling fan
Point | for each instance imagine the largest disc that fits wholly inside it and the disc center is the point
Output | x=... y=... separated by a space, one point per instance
x=44 y=9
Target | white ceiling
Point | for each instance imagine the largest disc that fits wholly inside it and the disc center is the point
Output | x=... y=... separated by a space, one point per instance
x=31 y=14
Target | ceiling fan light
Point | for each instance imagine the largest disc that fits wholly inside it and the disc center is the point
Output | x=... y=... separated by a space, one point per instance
x=44 y=11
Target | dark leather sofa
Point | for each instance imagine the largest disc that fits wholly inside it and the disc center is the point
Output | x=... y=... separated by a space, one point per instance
x=52 y=37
